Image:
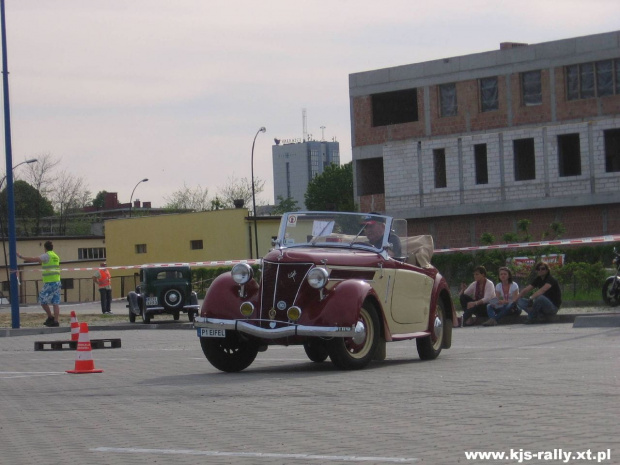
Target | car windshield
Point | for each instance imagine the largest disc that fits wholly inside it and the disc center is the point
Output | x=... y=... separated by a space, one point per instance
x=336 y=229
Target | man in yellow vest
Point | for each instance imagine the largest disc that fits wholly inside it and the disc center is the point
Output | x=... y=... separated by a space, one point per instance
x=104 y=280
x=50 y=294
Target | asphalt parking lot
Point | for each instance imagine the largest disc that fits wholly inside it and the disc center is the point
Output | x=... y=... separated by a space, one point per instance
x=528 y=388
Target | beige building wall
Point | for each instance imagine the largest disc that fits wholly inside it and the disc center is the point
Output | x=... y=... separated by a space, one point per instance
x=225 y=235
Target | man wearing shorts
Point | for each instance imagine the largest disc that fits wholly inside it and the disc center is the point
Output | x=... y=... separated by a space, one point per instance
x=50 y=294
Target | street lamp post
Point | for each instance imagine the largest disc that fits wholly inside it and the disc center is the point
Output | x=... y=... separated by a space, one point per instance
x=262 y=129
x=9 y=174
x=131 y=198
x=8 y=278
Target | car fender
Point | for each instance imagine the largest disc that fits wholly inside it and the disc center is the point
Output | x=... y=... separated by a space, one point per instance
x=223 y=300
x=442 y=291
x=343 y=303
x=134 y=302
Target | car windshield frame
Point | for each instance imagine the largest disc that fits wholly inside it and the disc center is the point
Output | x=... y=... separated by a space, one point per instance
x=333 y=229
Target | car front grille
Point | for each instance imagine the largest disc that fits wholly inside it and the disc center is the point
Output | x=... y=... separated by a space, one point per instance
x=281 y=284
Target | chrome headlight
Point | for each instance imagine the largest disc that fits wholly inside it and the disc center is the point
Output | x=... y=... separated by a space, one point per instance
x=294 y=313
x=317 y=278
x=241 y=273
x=246 y=309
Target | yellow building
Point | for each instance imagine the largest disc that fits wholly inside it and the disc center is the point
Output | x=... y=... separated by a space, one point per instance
x=187 y=237
x=217 y=235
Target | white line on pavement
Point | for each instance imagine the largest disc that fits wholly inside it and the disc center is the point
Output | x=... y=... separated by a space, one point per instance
x=344 y=458
x=28 y=374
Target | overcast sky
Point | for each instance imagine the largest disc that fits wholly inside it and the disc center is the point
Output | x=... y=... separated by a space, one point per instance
x=175 y=90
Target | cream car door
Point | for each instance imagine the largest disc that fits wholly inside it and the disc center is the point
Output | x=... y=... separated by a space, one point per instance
x=411 y=297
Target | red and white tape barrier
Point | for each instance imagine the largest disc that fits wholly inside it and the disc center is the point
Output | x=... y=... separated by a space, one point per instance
x=258 y=261
x=523 y=245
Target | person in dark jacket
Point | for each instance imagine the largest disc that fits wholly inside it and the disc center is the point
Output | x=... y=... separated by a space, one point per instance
x=547 y=298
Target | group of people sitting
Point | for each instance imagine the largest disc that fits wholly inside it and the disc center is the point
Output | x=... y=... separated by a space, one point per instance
x=482 y=298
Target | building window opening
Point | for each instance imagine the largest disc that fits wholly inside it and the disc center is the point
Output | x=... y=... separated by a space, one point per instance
x=91 y=253
x=569 y=155
x=612 y=150
x=489 y=96
x=196 y=244
x=396 y=107
x=140 y=248
x=439 y=163
x=447 y=99
x=370 y=176
x=524 y=159
x=480 y=160
x=531 y=88
x=589 y=80
x=66 y=283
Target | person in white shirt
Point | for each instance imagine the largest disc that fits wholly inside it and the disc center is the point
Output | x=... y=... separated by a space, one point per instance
x=506 y=292
x=475 y=297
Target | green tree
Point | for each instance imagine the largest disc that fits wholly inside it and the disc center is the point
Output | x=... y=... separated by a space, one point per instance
x=285 y=205
x=487 y=239
x=99 y=200
x=28 y=203
x=332 y=190
x=524 y=227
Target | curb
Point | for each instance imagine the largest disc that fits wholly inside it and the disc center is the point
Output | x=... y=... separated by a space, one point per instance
x=607 y=320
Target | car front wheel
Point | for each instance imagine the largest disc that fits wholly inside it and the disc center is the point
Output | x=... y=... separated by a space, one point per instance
x=229 y=354
x=429 y=347
x=348 y=354
x=316 y=351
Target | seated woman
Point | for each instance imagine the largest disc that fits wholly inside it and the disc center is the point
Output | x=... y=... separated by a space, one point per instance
x=506 y=291
x=474 y=298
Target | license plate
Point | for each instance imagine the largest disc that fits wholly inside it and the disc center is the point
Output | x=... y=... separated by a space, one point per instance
x=151 y=301
x=210 y=332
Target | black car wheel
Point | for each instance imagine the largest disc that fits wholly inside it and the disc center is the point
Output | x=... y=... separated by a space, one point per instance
x=230 y=354
x=191 y=314
x=316 y=351
x=132 y=316
x=176 y=315
x=429 y=347
x=348 y=354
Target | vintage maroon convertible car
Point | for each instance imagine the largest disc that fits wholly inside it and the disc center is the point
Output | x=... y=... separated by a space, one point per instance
x=340 y=284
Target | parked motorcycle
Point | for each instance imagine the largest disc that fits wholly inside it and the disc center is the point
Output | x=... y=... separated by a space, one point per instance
x=611 y=288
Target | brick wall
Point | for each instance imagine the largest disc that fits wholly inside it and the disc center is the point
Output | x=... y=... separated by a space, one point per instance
x=465 y=231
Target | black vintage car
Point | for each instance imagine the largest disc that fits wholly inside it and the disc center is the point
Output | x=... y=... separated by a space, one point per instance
x=163 y=289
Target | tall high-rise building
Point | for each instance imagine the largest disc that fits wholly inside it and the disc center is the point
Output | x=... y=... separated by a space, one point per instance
x=296 y=163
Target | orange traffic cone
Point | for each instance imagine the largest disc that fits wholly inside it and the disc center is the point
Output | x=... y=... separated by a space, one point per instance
x=84 y=357
x=75 y=327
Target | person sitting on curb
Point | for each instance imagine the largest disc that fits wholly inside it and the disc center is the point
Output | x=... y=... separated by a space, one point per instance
x=506 y=291
x=547 y=299
x=474 y=298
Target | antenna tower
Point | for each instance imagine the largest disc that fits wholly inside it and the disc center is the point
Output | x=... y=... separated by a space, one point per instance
x=305 y=124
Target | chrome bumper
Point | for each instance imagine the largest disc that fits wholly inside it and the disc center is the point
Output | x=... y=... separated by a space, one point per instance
x=357 y=332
